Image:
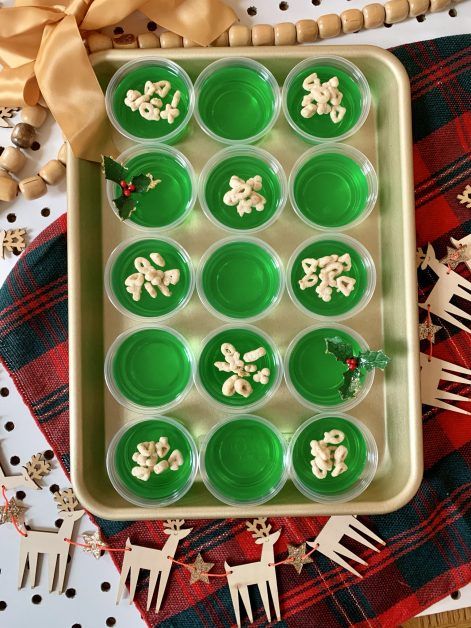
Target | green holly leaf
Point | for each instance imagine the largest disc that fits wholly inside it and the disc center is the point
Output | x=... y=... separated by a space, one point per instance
x=125 y=206
x=141 y=183
x=338 y=348
x=351 y=384
x=113 y=170
x=370 y=360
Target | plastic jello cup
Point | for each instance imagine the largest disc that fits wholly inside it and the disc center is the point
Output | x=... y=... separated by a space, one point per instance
x=243 y=461
x=121 y=265
x=149 y=369
x=171 y=200
x=333 y=187
x=210 y=380
x=361 y=460
x=314 y=376
x=133 y=76
x=356 y=99
x=160 y=489
x=240 y=279
x=237 y=100
x=244 y=162
x=340 y=307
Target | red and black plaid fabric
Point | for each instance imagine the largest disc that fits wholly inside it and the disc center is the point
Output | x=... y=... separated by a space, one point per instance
x=428 y=552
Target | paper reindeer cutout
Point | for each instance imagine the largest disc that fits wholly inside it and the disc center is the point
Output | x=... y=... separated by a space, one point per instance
x=51 y=544
x=33 y=471
x=449 y=284
x=261 y=573
x=328 y=540
x=153 y=560
x=432 y=371
x=466 y=241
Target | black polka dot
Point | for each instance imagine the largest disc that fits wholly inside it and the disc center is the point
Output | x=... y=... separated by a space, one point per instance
x=14 y=460
x=35 y=146
x=54 y=488
x=20 y=495
x=3 y=605
x=105 y=586
x=76 y=626
x=252 y=11
x=387 y=25
x=111 y=621
x=58 y=523
x=9 y=426
x=455 y=595
x=27 y=527
x=70 y=593
x=45 y=211
x=48 y=454
x=452 y=13
x=119 y=30
x=284 y=6
x=316 y=3
x=11 y=217
x=16 y=252
x=36 y=599
x=151 y=26
x=420 y=18
x=69 y=558
x=4 y=392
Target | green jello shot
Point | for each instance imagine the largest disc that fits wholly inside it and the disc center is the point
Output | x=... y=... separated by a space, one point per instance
x=240 y=278
x=160 y=489
x=124 y=262
x=243 y=461
x=361 y=460
x=237 y=100
x=132 y=77
x=356 y=99
x=210 y=379
x=314 y=376
x=244 y=162
x=333 y=186
x=171 y=200
x=340 y=306
x=149 y=369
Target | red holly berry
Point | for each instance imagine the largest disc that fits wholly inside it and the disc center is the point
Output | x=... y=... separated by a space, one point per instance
x=131 y=187
x=127 y=192
x=123 y=184
x=352 y=363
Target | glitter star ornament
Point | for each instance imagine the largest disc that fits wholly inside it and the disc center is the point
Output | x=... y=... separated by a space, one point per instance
x=199 y=570
x=297 y=556
x=427 y=330
x=12 y=511
x=94 y=544
x=454 y=257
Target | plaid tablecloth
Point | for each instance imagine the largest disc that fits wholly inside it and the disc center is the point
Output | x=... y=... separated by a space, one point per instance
x=428 y=552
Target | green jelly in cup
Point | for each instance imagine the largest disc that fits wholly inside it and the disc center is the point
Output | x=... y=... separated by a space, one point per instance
x=149 y=368
x=210 y=380
x=240 y=278
x=171 y=200
x=361 y=460
x=333 y=187
x=160 y=489
x=314 y=376
x=340 y=306
x=243 y=461
x=237 y=100
x=133 y=76
x=244 y=162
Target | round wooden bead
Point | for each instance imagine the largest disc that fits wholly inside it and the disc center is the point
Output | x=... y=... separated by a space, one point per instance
x=329 y=25
x=23 y=135
x=373 y=15
x=170 y=40
x=124 y=42
x=99 y=41
x=438 y=5
x=263 y=35
x=285 y=34
x=34 y=115
x=240 y=35
x=396 y=11
x=222 y=40
x=418 y=7
x=52 y=172
x=33 y=187
x=352 y=20
x=306 y=31
x=12 y=159
x=148 y=40
x=189 y=43
x=8 y=188
x=62 y=154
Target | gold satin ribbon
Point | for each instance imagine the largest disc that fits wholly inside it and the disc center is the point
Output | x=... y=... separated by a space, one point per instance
x=41 y=51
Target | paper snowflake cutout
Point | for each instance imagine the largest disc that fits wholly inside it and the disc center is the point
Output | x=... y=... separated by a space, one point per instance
x=465 y=197
x=12 y=239
x=427 y=330
x=297 y=556
x=199 y=570
x=454 y=257
x=94 y=544
x=12 y=511
x=5 y=114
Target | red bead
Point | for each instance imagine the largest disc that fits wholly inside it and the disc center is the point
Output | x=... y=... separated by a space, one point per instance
x=352 y=363
x=131 y=187
x=127 y=192
x=123 y=184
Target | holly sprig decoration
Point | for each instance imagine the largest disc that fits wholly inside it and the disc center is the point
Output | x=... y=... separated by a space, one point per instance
x=367 y=360
x=129 y=198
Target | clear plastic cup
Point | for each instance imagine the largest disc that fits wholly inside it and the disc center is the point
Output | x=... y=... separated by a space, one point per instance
x=333 y=187
x=244 y=162
x=356 y=99
x=162 y=489
x=340 y=307
x=243 y=461
x=149 y=369
x=237 y=100
x=240 y=279
x=132 y=76
x=169 y=203
x=209 y=380
x=120 y=265
x=313 y=377
x=362 y=457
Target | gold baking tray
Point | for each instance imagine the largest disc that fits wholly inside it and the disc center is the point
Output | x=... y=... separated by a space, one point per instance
x=391 y=410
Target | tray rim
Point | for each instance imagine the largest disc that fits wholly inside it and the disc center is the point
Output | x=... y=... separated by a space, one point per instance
x=221 y=510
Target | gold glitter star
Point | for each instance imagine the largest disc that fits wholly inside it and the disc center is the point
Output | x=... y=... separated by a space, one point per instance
x=427 y=330
x=297 y=556
x=199 y=569
x=454 y=257
x=94 y=544
x=12 y=511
